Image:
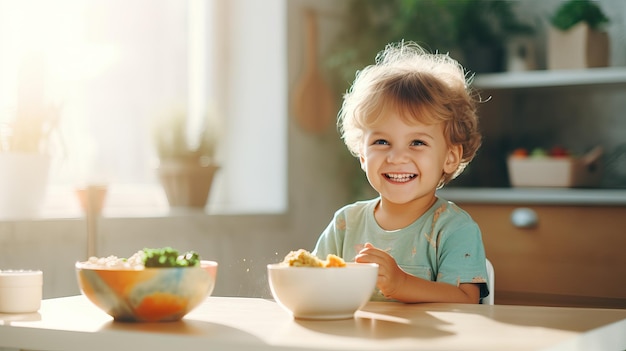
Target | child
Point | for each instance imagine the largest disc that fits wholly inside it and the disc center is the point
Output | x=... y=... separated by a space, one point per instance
x=411 y=120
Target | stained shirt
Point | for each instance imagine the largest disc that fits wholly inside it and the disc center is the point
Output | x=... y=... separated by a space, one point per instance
x=443 y=245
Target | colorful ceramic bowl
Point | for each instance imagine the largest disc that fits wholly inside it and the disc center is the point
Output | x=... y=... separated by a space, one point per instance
x=147 y=294
x=322 y=293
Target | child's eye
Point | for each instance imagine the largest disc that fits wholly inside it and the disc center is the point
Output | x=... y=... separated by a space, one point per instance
x=380 y=142
x=417 y=143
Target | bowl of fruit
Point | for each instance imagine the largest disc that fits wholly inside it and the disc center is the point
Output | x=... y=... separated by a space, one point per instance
x=554 y=167
x=152 y=285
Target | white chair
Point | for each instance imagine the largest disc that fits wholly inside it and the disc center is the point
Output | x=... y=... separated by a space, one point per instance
x=489 y=299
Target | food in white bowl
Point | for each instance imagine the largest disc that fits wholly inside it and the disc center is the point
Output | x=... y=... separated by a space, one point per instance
x=322 y=292
x=153 y=285
x=303 y=258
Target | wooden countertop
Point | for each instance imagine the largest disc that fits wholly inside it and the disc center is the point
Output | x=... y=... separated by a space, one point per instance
x=536 y=196
x=224 y=323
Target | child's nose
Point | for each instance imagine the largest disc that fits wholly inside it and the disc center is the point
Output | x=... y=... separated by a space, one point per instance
x=397 y=155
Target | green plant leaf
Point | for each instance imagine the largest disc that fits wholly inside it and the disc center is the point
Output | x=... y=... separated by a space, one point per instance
x=573 y=12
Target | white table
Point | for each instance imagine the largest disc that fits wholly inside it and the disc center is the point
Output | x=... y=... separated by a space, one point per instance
x=224 y=323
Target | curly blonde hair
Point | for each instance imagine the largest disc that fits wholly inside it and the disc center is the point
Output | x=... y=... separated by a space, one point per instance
x=424 y=87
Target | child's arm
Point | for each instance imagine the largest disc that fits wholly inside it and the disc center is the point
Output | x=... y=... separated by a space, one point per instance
x=396 y=284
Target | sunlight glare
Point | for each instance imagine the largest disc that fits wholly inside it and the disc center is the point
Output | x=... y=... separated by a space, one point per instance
x=57 y=30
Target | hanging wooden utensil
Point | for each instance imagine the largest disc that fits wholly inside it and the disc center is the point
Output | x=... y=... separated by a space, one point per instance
x=313 y=101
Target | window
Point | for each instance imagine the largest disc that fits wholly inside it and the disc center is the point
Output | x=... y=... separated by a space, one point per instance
x=115 y=65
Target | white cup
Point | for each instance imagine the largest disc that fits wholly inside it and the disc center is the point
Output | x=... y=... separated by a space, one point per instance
x=20 y=291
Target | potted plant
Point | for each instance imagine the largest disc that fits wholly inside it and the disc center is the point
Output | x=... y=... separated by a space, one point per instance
x=25 y=147
x=576 y=36
x=187 y=166
x=483 y=29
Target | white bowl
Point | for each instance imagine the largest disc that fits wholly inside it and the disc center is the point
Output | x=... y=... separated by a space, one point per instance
x=20 y=291
x=322 y=293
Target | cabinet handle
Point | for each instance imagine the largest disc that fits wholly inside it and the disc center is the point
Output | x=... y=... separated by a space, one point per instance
x=524 y=217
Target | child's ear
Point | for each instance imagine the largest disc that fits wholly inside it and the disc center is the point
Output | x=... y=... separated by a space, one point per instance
x=453 y=159
x=362 y=161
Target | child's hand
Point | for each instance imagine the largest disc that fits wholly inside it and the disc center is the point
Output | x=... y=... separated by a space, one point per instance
x=390 y=275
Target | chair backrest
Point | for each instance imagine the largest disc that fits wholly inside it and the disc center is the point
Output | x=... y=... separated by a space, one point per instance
x=489 y=299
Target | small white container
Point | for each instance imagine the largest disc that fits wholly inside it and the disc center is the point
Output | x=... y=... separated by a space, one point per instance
x=585 y=171
x=20 y=291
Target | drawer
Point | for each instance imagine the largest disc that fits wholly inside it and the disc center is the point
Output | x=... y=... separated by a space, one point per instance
x=573 y=256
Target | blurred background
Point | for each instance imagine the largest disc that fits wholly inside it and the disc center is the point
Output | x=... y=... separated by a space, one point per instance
x=93 y=78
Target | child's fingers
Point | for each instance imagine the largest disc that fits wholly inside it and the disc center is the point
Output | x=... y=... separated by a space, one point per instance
x=373 y=256
x=369 y=249
x=368 y=256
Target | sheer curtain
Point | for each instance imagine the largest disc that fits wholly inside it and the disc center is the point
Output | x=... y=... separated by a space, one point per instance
x=114 y=65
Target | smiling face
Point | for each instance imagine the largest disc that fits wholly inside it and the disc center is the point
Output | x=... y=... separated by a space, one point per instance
x=405 y=161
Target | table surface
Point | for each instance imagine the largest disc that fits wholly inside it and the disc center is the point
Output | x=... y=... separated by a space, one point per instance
x=230 y=323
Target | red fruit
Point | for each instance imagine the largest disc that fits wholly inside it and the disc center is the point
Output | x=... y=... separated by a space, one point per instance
x=558 y=151
x=520 y=152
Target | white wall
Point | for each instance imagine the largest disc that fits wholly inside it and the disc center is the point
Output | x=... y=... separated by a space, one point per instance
x=253 y=52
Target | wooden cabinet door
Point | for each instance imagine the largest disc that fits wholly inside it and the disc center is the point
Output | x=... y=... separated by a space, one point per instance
x=574 y=256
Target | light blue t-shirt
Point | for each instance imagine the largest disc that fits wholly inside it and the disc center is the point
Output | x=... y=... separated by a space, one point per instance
x=444 y=244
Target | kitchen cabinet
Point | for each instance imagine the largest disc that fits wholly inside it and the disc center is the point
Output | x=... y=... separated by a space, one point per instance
x=573 y=255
